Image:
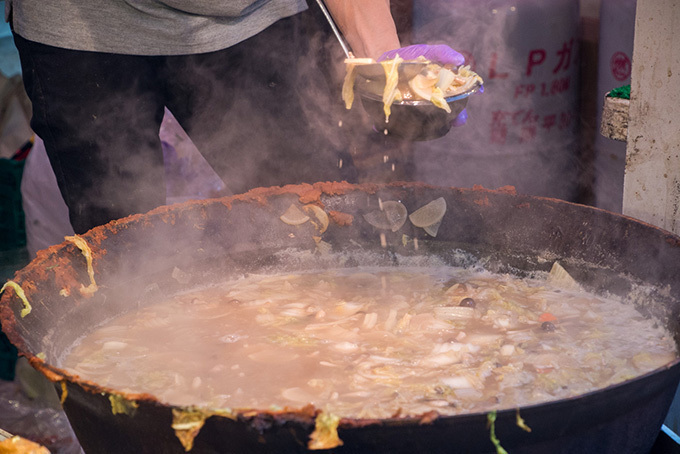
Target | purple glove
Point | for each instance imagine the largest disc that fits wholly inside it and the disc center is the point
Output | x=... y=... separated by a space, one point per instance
x=439 y=53
x=461 y=119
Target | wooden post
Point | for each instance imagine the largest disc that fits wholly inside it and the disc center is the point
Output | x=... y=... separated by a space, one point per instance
x=652 y=181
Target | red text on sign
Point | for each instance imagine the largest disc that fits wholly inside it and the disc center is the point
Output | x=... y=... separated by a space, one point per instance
x=552 y=88
x=523 y=125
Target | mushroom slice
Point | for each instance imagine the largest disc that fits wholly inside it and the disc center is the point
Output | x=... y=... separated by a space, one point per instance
x=391 y=216
x=423 y=84
x=294 y=216
x=320 y=216
x=429 y=216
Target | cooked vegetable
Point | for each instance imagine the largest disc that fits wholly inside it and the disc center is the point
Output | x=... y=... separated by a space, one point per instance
x=19 y=445
x=325 y=435
x=348 y=85
x=445 y=79
x=433 y=229
x=521 y=423
x=370 y=342
x=454 y=312
x=391 y=80
x=121 y=405
x=391 y=216
x=559 y=277
x=294 y=216
x=187 y=424
x=423 y=84
x=64 y=392
x=20 y=293
x=350 y=77
x=437 y=98
x=429 y=214
x=87 y=253
x=491 y=420
x=320 y=216
x=435 y=83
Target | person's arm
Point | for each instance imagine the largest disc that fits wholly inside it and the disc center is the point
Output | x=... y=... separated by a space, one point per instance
x=367 y=25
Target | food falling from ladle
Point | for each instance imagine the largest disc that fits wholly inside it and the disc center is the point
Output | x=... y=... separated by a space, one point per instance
x=414 y=77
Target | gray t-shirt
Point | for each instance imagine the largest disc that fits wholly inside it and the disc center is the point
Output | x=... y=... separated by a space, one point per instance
x=146 y=27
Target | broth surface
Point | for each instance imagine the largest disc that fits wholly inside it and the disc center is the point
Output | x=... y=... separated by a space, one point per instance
x=374 y=343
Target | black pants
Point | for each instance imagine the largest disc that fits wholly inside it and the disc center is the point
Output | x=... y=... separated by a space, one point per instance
x=259 y=112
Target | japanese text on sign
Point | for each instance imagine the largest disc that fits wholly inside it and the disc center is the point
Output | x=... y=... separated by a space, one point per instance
x=527 y=124
x=554 y=79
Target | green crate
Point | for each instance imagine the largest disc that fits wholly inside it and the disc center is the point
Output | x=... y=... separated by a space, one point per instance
x=12 y=222
x=620 y=92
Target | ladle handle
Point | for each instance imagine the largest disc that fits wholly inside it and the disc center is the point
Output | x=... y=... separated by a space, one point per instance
x=336 y=31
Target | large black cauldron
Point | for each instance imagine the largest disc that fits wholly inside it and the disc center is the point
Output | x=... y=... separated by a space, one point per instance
x=134 y=260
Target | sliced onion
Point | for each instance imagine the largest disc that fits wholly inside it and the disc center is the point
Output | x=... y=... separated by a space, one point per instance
x=433 y=229
x=370 y=320
x=454 y=312
x=482 y=339
x=429 y=214
x=441 y=359
x=391 y=216
x=457 y=382
x=445 y=79
x=422 y=84
x=345 y=347
x=294 y=216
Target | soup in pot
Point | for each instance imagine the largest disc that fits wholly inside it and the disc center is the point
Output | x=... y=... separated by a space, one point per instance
x=374 y=343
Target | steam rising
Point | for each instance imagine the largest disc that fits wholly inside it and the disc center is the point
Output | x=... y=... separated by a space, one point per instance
x=269 y=112
x=504 y=141
x=265 y=112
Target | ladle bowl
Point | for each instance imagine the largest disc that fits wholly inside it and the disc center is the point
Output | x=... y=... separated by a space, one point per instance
x=413 y=120
x=409 y=120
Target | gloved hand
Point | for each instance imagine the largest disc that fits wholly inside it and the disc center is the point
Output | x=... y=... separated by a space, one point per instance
x=461 y=119
x=439 y=53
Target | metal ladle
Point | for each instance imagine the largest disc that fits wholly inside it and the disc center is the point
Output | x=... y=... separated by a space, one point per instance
x=412 y=120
